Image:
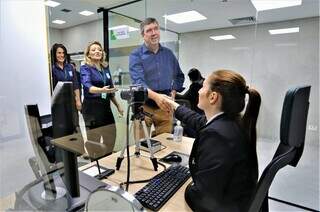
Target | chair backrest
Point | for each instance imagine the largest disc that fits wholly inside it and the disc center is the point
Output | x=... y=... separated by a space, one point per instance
x=292 y=137
x=33 y=124
x=97 y=150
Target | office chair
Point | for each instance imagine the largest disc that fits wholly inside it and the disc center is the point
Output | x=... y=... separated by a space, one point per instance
x=292 y=137
x=40 y=164
x=98 y=150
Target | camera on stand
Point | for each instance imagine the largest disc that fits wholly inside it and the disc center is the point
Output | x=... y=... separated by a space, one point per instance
x=135 y=95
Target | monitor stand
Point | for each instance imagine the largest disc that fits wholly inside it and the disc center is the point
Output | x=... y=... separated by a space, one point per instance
x=31 y=198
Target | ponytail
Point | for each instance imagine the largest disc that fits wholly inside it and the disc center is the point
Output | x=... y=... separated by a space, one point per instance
x=249 y=119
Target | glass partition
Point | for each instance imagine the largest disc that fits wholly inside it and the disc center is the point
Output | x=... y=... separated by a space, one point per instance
x=286 y=56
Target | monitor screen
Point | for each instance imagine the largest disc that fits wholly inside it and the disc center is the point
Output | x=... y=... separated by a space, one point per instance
x=63 y=110
x=63 y=123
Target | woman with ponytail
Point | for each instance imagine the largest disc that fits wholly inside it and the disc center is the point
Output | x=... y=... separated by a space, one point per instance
x=223 y=160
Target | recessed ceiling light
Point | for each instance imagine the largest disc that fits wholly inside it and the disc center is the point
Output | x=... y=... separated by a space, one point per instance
x=274 y=4
x=185 y=17
x=222 y=37
x=130 y=28
x=51 y=3
x=58 y=21
x=86 y=13
x=284 y=31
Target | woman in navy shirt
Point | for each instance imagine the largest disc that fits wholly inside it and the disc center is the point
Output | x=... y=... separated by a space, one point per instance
x=98 y=89
x=63 y=71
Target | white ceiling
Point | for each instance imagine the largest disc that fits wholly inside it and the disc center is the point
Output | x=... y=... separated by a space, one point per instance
x=218 y=12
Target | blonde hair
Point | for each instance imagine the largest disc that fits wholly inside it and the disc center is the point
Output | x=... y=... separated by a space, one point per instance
x=88 y=60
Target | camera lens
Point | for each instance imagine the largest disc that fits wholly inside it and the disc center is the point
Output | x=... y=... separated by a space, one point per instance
x=126 y=95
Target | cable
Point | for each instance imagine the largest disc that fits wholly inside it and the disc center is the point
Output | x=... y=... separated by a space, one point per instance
x=141 y=181
x=128 y=155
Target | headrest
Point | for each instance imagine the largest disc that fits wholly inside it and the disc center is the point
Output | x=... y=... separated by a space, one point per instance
x=294 y=116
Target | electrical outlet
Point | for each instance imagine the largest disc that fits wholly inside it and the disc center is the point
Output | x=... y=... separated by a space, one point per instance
x=312 y=127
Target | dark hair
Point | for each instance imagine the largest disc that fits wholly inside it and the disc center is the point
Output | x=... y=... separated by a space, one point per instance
x=54 y=52
x=145 y=22
x=232 y=87
x=194 y=75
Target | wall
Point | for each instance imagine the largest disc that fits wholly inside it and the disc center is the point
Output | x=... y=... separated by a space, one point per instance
x=24 y=80
x=272 y=64
x=55 y=36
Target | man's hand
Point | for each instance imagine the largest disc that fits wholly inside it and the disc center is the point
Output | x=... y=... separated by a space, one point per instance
x=171 y=101
x=162 y=102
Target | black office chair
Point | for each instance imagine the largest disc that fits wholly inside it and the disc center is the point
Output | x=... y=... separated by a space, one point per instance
x=97 y=150
x=292 y=137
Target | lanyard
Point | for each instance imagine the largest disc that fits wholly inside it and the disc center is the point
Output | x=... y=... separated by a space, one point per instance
x=65 y=74
x=103 y=76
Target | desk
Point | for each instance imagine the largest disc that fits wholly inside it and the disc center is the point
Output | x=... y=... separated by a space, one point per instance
x=142 y=168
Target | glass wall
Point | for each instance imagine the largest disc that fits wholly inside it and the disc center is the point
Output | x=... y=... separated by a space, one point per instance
x=271 y=63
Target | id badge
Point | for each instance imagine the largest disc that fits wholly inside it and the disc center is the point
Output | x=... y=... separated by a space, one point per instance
x=103 y=95
x=70 y=74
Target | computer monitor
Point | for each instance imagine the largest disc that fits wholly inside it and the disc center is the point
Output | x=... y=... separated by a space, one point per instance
x=63 y=110
x=63 y=124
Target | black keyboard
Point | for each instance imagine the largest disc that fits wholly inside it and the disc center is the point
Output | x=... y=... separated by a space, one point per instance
x=162 y=186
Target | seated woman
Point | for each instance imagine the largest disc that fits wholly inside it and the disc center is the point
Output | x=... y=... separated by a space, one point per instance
x=223 y=160
x=192 y=94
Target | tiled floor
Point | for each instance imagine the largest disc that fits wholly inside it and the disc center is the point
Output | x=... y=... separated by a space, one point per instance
x=299 y=185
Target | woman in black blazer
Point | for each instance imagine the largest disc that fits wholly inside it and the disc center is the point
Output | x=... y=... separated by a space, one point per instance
x=223 y=160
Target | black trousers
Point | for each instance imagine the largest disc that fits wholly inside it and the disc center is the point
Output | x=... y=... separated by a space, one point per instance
x=97 y=112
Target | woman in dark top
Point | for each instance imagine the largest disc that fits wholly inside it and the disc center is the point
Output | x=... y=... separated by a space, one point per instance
x=192 y=93
x=223 y=160
x=98 y=90
x=63 y=71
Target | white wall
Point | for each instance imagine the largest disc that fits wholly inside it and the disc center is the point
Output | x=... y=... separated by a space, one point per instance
x=55 y=36
x=76 y=38
x=272 y=64
x=24 y=80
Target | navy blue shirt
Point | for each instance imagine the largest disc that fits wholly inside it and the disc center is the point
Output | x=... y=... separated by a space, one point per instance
x=158 y=71
x=91 y=76
x=65 y=74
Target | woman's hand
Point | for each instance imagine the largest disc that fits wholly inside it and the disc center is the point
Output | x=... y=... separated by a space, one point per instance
x=120 y=110
x=78 y=105
x=107 y=89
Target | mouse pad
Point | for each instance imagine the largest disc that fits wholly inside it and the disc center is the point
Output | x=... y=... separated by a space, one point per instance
x=184 y=157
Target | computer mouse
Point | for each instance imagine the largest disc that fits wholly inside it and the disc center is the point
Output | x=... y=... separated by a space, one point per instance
x=172 y=158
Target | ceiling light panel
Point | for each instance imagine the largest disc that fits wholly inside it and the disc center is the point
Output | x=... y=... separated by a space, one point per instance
x=51 y=3
x=261 y=5
x=223 y=37
x=130 y=28
x=185 y=17
x=58 y=21
x=86 y=13
x=284 y=31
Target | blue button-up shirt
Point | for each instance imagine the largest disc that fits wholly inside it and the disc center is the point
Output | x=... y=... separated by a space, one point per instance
x=65 y=74
x=158 y=71
x=91 y=76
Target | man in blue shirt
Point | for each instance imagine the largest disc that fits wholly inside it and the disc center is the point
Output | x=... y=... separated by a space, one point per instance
x=156 y=68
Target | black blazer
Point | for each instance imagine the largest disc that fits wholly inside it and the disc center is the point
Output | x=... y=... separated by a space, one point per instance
x=223 y=165
x=192 y=96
